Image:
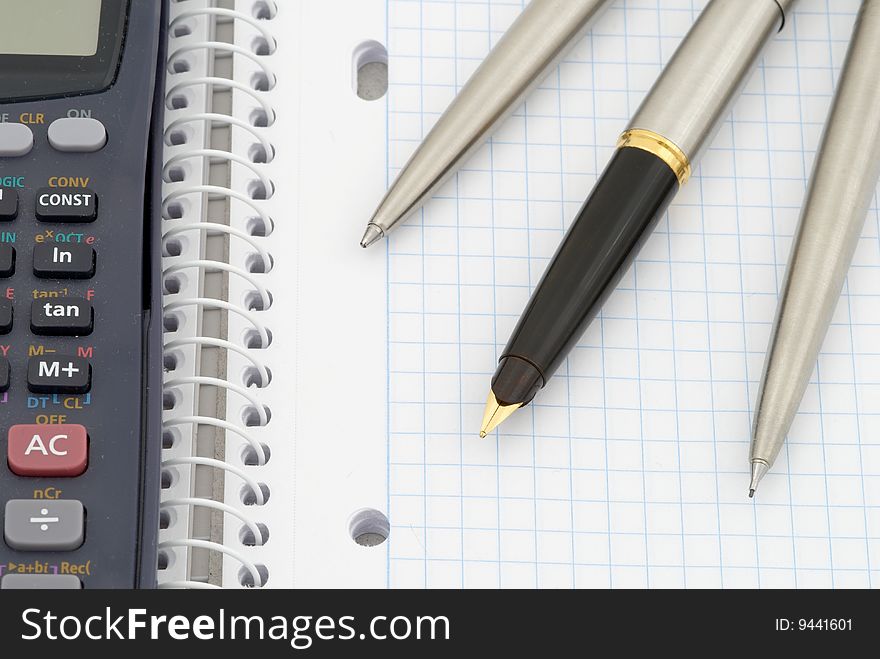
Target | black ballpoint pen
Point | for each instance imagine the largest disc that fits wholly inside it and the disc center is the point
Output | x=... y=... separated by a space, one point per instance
x=654 y=159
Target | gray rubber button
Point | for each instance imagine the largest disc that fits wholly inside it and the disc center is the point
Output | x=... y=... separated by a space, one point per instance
x=77 y=135
x=40 y=582
x=40 y=525
x=15 y=140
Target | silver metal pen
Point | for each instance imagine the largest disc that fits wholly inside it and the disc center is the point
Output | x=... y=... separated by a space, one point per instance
x=843 y=181
x=535 y=43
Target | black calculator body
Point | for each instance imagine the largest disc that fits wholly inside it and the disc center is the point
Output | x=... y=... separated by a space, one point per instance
x=81 y=119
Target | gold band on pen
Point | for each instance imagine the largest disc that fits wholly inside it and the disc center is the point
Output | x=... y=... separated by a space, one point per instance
x=646 y=140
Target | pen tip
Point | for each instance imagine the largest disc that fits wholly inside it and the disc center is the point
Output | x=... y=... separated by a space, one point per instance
x=372 y=235
x=495 y=414
x=751 y=493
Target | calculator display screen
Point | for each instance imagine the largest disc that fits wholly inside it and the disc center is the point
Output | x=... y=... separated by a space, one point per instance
x=68 y=28
x=54 y=48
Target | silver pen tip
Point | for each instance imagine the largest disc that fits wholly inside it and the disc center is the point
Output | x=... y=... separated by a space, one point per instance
x=759 y=469
x=372 y=235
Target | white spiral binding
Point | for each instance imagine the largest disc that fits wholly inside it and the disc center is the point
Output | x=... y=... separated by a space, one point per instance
x=185 y=193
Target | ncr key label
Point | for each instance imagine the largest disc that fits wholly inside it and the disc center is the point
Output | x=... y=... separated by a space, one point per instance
x=40 y=450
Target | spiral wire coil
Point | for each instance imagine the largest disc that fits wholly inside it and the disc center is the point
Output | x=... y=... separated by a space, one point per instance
x=184 y=198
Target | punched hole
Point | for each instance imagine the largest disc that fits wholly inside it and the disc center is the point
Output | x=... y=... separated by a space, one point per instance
x=170 y=399
x=261 y=119
x=262 y=82
x=169 y=438
x=176 y=174
x=180 y=65
x=249 y=497
x=254 y=341
x=166 y=518
x=247 y=536
x=370 y=71
x=246 y=579
x=254 y=301
x=175 y=210
x=252 y=378
x=263 y=47
x=258 y=154
x=250 y=416
x=257 y=264
x=177 y=137
x=171 y=322
x=265 y=10
x=258 y=191
x=250 y=457
x=173 y=284
x=256 y=226
x=169 y=478
x=163 y=560
x=178 y=102
x=173 y=246
x=369 y=527
x=171 y=361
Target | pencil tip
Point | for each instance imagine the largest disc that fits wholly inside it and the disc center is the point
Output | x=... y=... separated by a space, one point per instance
x=495 y=414
x=759 y=468
x=372 y=235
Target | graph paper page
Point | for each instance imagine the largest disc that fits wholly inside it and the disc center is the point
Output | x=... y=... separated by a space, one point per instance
x=630 y=468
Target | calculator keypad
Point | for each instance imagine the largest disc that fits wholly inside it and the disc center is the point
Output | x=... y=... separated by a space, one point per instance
x=66 y=316
x=8 y=204
x=61 y=305
x=16 y=140
x=77 y=135
x=59 y=375
x=6 y=313
x=66 y=261
x=34 y=525
x=40 y=582
x=7 y=261
x=44 y=451
x=66 y=205
x=4 y=375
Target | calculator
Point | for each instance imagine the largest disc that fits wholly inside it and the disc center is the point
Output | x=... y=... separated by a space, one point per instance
x=81 y=118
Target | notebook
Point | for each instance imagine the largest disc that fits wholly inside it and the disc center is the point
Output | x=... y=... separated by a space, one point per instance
x=323 y=401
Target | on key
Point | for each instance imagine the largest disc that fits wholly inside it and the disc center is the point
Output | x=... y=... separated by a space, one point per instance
x=63 y=316
x=59 y=374
x=66 y=205
x=67 y=261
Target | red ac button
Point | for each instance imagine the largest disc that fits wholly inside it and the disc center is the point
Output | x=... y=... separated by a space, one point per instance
x=48 y=450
